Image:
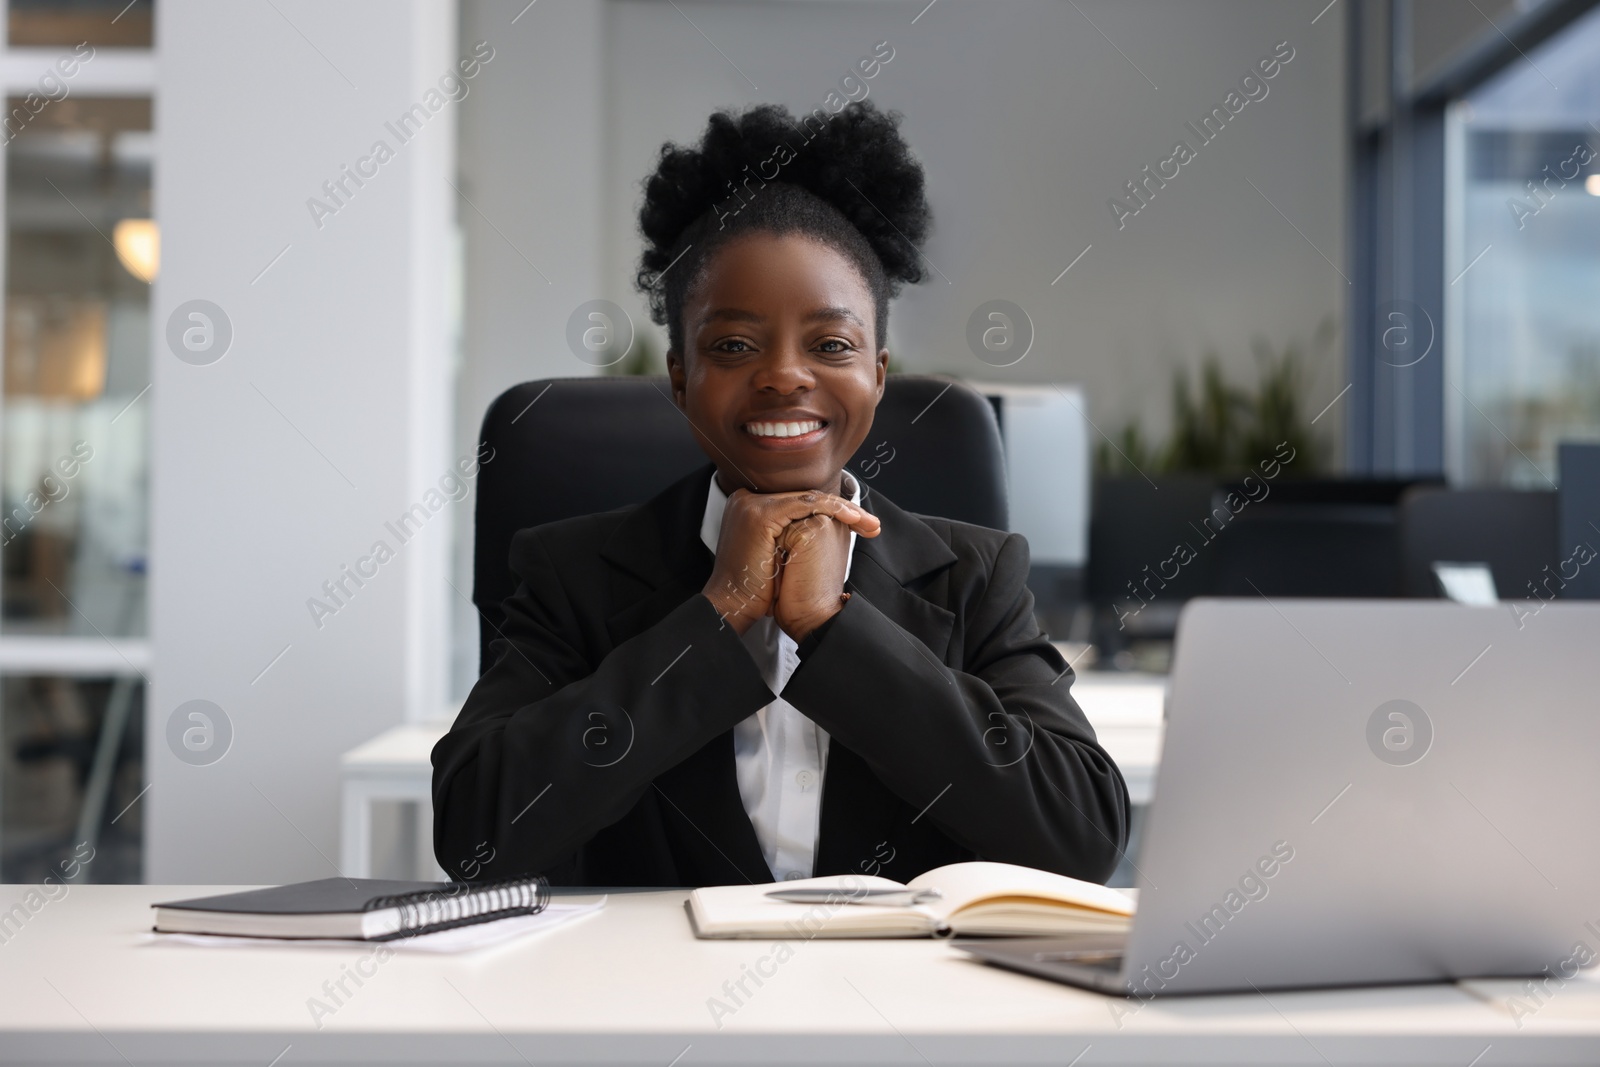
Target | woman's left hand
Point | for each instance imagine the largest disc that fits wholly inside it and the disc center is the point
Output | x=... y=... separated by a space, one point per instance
x=812 y=579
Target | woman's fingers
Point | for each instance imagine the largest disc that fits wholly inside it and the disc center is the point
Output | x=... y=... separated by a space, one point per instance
x=854 y=516
x=793 y=507
x=866 y=524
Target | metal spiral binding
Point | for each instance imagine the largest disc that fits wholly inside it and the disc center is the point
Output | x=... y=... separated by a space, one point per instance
x=460 y=903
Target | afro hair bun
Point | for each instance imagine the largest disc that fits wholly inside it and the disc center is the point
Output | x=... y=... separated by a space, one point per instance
x=855 y=160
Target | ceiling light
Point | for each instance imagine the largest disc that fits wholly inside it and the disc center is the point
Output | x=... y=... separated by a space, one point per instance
x=138 y=245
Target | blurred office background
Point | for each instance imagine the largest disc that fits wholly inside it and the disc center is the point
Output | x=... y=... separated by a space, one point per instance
x=241 y=344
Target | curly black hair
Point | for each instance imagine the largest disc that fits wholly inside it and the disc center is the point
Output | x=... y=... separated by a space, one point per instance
x=847 y=178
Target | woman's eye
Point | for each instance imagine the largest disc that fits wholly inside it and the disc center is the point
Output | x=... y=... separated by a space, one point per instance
x=733 y=345
x=836 y=347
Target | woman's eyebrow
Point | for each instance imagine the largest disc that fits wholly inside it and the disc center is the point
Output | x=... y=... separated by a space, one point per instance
x=824 y=314
x=732 y=315
x=834 y=314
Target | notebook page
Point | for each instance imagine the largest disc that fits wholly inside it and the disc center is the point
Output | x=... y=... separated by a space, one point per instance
x=964 y=883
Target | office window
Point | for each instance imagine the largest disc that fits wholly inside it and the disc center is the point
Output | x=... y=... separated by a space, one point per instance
x=80 y=251
x=1523 y=264
x=79 y=256
x=70 y=768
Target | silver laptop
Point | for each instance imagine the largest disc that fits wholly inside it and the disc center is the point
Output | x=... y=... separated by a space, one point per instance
x=1358 y=792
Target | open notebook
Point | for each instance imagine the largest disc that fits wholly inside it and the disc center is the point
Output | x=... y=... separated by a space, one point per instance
x=979 y=899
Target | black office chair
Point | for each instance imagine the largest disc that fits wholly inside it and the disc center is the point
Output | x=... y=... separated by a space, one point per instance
x=574 y=446
x=1512 y=530
x=1312 y=537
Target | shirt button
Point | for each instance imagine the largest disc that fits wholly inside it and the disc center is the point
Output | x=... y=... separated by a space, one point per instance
x=793 y=876
x=804 y=778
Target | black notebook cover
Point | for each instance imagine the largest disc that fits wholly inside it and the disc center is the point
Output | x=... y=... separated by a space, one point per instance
x=322 y=896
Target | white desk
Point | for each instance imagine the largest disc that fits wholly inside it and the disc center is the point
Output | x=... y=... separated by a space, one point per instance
x=1125 y=710
x=80 y=983
x=395 y=765
x=1127 y=713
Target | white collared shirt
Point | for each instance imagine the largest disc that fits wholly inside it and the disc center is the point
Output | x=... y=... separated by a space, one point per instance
x=779 y=754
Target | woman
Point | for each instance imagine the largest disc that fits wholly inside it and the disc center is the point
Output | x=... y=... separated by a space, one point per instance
x=764 y=673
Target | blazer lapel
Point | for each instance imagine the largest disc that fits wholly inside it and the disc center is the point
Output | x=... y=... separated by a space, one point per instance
x=888 y=566
x=658 y=561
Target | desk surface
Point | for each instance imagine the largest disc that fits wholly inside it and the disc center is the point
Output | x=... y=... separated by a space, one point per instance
x=82 y=982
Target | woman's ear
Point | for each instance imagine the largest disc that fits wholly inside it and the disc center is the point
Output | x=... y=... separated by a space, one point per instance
x=882 y=369
x=678 y=377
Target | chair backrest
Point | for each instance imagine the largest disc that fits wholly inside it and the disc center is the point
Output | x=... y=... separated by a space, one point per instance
x=1308 y=550
x=1312 y=537
x=1323 y=537
x=1512 y=530
x=574 y=446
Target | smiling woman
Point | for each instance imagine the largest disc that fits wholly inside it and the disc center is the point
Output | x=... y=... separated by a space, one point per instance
x=805 y=671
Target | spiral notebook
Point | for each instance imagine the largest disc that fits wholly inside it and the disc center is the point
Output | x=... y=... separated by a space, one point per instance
x=365 y=909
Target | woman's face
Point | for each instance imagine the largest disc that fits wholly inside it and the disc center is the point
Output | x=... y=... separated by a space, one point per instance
x=779 y=378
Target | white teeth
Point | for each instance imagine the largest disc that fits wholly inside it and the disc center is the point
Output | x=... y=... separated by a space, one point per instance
x=782 y=429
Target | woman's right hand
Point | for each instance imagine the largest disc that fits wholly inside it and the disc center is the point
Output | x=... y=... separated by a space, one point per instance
x=745 y=580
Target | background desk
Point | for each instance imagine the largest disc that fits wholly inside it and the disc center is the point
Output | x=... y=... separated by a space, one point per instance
x=1124 y=708
x=80 y=983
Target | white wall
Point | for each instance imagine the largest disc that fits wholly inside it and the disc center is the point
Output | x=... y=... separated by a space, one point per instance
x=1028 y=121
x=328 y=416
x=532 y=150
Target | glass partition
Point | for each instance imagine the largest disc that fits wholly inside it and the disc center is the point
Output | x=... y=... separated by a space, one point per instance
x=81 y=251
x=1523 y=264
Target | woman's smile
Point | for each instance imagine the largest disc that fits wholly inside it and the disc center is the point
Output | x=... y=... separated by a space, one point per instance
x=786 y=434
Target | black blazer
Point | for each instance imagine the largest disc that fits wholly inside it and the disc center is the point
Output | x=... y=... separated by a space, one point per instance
x=598 y=748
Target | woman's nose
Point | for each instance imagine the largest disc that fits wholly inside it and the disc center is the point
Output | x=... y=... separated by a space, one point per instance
x=784 y=368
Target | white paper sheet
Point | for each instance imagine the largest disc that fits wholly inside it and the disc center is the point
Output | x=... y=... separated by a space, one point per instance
x=457 y=939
